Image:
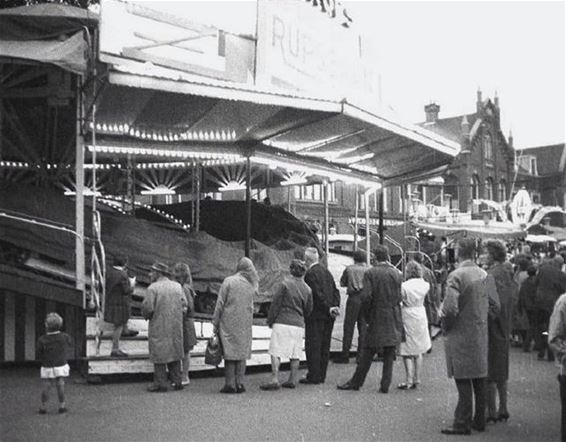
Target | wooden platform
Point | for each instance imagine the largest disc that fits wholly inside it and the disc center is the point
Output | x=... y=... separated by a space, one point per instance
x=138 y=361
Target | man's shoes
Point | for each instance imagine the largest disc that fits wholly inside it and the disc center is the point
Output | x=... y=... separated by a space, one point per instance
x=288 y=384
x=478 y=427
x=129 y=333
x=178 y=387
x=240 y=388
x=42 y=411
x=308 y=381
x=62 y=410
x=341 y=360
x=228 y=390
x=272 y=386
x=383 y=390
x=156 y=389
x=456 y=430
x=186 y=382
x=118 y=354
x=347 y=386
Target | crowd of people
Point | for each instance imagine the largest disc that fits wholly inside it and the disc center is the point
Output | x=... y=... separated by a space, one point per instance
x=487 y=302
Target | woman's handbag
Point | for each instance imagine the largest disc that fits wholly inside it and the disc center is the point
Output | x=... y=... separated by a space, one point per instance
x=213 y=353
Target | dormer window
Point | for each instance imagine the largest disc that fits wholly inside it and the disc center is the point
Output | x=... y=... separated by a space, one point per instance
x=533 y=166
x=487 y=147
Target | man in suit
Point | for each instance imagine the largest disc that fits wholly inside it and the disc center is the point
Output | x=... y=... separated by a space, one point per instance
x=381 y=297
x=352 y=278
x=469 y=293
x=318 y=326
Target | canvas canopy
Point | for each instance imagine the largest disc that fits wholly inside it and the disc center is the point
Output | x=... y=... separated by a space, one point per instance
x=47 y=33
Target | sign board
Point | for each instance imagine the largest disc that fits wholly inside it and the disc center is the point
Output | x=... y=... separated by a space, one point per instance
x=300 y=47
x=174 y=39
x=521 y=208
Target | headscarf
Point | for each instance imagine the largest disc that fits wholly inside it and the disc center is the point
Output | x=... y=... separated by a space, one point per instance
x=247 y=270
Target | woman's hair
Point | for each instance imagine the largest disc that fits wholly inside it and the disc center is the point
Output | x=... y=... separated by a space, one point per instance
x=532 y=270
x=413 y=270
x=497 y=250
x=297 y=268
x=182 y=273
x=467 y=248
x=247 y=269
x=53 y=322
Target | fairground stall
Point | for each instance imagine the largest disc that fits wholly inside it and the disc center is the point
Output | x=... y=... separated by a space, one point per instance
x=142 y=130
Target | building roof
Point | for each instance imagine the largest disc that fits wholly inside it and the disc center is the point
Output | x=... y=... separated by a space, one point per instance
x=551 y=159
x=451 y=127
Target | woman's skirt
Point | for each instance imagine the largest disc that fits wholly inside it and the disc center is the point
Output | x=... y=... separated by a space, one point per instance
x=189 y=334
x=286 y=341
x=55 y=372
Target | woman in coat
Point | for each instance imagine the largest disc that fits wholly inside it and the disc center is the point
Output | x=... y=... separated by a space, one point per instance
x=499 y=329
x=415 y=322
x=232 y=322
x=182 y=274
x=291 y=304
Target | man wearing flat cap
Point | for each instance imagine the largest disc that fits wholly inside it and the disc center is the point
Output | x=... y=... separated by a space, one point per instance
x=163 y=306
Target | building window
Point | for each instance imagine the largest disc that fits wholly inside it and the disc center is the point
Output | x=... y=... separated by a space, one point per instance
x=487 y=147
x=259 y=194
x=475 y=187
x=533 y=166
x=314 y=192
x=385 y=196
x=488 y=189
x=502 y=190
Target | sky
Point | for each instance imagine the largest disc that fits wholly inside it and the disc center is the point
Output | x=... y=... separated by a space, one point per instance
x=444 y=51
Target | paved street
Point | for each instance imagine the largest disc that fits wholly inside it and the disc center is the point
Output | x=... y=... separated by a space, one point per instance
x=124 y=411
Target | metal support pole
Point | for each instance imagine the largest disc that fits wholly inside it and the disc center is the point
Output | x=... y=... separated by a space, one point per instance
x=130 y=184
x=197 y=202
x=368 y=244
x=356 y=210
x=289 y=199
x=248 y=207
x=193 y=189
x=325 y=196
x=380 y=228
x=79 y=195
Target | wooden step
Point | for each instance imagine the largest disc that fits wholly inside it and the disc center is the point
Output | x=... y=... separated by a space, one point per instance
x=138 y=346
x=142 y=364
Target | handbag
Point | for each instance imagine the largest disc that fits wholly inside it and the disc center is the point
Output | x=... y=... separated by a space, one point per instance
x=213 y=352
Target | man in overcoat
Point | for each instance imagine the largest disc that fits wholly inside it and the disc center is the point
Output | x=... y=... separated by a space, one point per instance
x=319 y=324
x=163 y=306
x=464 y=317
x=381 y=297
x=551 y=283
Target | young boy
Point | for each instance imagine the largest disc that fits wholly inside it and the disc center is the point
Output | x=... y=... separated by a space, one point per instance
x=53 y=349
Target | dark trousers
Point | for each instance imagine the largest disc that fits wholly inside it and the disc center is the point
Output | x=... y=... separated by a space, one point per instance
x=160 y=374
x=353 y=316
x=542 y=319
x=531 y=330
x=318 y=333
x=562 y=380
x=364 y=364
x=464 y=408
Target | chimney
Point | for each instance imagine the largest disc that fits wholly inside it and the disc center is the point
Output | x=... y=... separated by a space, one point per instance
x=510 y=139
x=431 y=112
x=479 y=100
x=465 y=135
x=496 y=100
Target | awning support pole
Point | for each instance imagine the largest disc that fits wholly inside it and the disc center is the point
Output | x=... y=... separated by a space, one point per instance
x=197 y=202
x=380 y=229
x=193 y=191
x=366 y=201
x=79 y=195
x=325 y=232
x=248 y=206
x=356 y=210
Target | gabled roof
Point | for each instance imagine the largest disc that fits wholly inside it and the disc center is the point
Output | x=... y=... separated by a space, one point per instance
x=451 y=127
x=551 y=159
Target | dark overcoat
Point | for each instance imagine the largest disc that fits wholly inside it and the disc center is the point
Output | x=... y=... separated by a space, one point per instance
x=499 y=325
x=118 y=293
x=551 y=283
x=381 y=297
x=464 y=321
